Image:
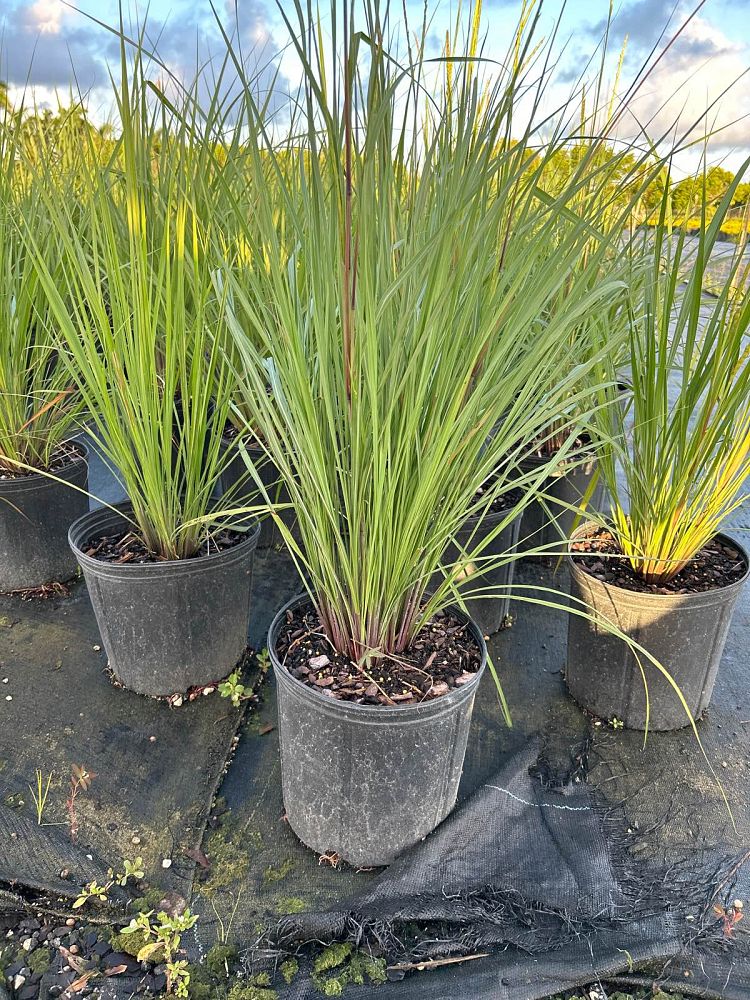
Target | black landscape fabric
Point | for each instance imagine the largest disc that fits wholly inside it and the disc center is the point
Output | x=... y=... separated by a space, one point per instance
x=574 y=854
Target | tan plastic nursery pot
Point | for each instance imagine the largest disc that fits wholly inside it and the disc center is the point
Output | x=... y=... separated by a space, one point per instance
x=686 y=633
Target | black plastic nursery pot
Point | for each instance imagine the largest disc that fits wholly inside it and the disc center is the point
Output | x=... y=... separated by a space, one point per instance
x=35 y=514
x=488 y=613
x=167 y=626
x=236 y=478
x=686 y=633
x=550 y=521
x=368 y=781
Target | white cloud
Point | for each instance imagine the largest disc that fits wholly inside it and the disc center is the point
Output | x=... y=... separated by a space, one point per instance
x=700 y=85
x=46 y=16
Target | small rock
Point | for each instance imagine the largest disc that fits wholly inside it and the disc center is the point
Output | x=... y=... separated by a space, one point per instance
x=97 y=648
x=102 y=948
x=371 y=691
x=318 y=662
x=28 y=992
x=74 y=949
x=324 y=682
x=27 y=944
x=135 y=840
x=122 y=958
x=9 y=697
x=60 y=931
x=166 y=863
x=209 y=690
x=18 y=981
x=70 y=922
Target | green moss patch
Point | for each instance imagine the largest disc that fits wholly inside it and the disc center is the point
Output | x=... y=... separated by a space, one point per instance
x=131 y=944
x=289 y=969
x=230 y=861
x=290 y=904
x=148 y=901
x=275 y=873
x=39 y=960
x=220 y=959
x=340 y=965
x=255 y=988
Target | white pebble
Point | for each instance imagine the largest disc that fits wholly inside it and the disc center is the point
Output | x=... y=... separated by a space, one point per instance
x=97 y=648
x=135 y=840
x=5 y=680
x=9 y=697
x=738 y=904
x=166 y=863
x=27 y=945
x=18 y=981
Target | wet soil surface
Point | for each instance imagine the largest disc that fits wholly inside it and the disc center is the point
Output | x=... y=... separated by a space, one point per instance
x=126 y=547
x=442 y=656
x=67 y=454
x=717 y=565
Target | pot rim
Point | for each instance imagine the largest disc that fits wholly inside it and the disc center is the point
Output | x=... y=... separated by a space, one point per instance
x=40 y=480
x=102 y=515
x=703 y=596
x=376 y=713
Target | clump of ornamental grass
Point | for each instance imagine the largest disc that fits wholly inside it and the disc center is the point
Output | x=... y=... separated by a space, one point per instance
x=395 y=350
x=686 y=456
x=139 y=324
x=39 y=403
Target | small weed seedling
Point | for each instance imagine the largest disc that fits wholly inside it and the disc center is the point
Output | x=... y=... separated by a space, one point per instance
x=133 y=869
x=80 y=781
x=40 y=793
x=232 y=688
x=163 y=936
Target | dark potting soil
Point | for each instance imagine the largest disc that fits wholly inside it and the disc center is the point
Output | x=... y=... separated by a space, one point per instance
x=715 y=566
x=127 y=547
x=64 y=455
x=442 y=656
x=505 y=502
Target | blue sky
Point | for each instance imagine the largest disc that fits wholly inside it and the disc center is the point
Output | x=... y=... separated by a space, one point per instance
x=55 y=45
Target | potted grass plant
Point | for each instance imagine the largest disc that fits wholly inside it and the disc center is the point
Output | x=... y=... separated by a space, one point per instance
x=139 y=327
x=397 y=322
x=600 y=182
x=660 y=569
x=39 y=403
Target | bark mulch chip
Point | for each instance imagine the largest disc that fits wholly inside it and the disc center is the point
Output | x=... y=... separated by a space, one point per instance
x=127 y=547
x=443 y=656
x=717 y=565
